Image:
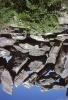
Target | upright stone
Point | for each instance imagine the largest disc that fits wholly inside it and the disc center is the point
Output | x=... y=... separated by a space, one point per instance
x=53 y=54
x=20 y=78
x=7 y=82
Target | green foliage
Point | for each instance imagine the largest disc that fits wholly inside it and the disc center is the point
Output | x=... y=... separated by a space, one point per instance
x=6 y=15
x=38 y=16
x=37 y=22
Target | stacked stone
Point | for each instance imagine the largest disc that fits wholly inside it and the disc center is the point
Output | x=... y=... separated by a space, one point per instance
x=28 y=60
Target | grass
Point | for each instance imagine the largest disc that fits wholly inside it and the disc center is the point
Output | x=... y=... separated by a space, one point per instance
x=38 y=21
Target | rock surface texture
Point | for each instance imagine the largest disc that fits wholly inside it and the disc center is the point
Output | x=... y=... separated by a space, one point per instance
x=33 y=60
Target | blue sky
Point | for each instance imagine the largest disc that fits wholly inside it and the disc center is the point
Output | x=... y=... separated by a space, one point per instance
x=34 y=93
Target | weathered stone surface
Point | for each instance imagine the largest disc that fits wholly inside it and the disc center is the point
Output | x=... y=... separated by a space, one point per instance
x=17 y=62
x=33 y=78
x=45 y=48
x=53 y=54
x=36 y=66
x=6 y=42
x=63 y=19
x=13 y=34
x=64 y=74
x=5 y=54
x=7 y=82
x=20 y=78
x=33 y=59
x=30 y=81
x=19 y=37
x=28 y=47
x=34 y=50
x=18 y=67
x=22 y=50
x=37 y=52
x=1 y=70
x=62 y=37
x=38 y=38
x=61 y=67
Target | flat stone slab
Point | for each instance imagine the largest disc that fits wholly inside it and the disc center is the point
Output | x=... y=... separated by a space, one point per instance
x=37 y=38
x=28 y=47
x=37 y=52
x=21 y=49
x=6 y=42
x=36 y=66
x=19 y=37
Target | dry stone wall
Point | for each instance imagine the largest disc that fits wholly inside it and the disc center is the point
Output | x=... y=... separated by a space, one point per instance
x=28 y=60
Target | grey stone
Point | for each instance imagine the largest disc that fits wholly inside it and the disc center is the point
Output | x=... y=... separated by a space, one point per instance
x=20 y=78
x=28 y=47
x=59 y=67
x=37 y=52
x=53 y=54
x=38 y=38
x=30 y=60
x=36 y=66
x=19 y=37
x=5 y=54
x=6 y=42
x=7 y=82
x=62 y=37
x=63 y=19
x=64 y=74
x=1 y=71
x=45 y=48
x=22 y=50
x=30 y=81
x=17 y=68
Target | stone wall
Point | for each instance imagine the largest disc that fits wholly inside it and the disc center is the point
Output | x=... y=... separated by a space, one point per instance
x=28 y=60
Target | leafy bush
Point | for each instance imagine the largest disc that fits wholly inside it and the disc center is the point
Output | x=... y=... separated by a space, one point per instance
x=38 y=16
x=6 y=14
